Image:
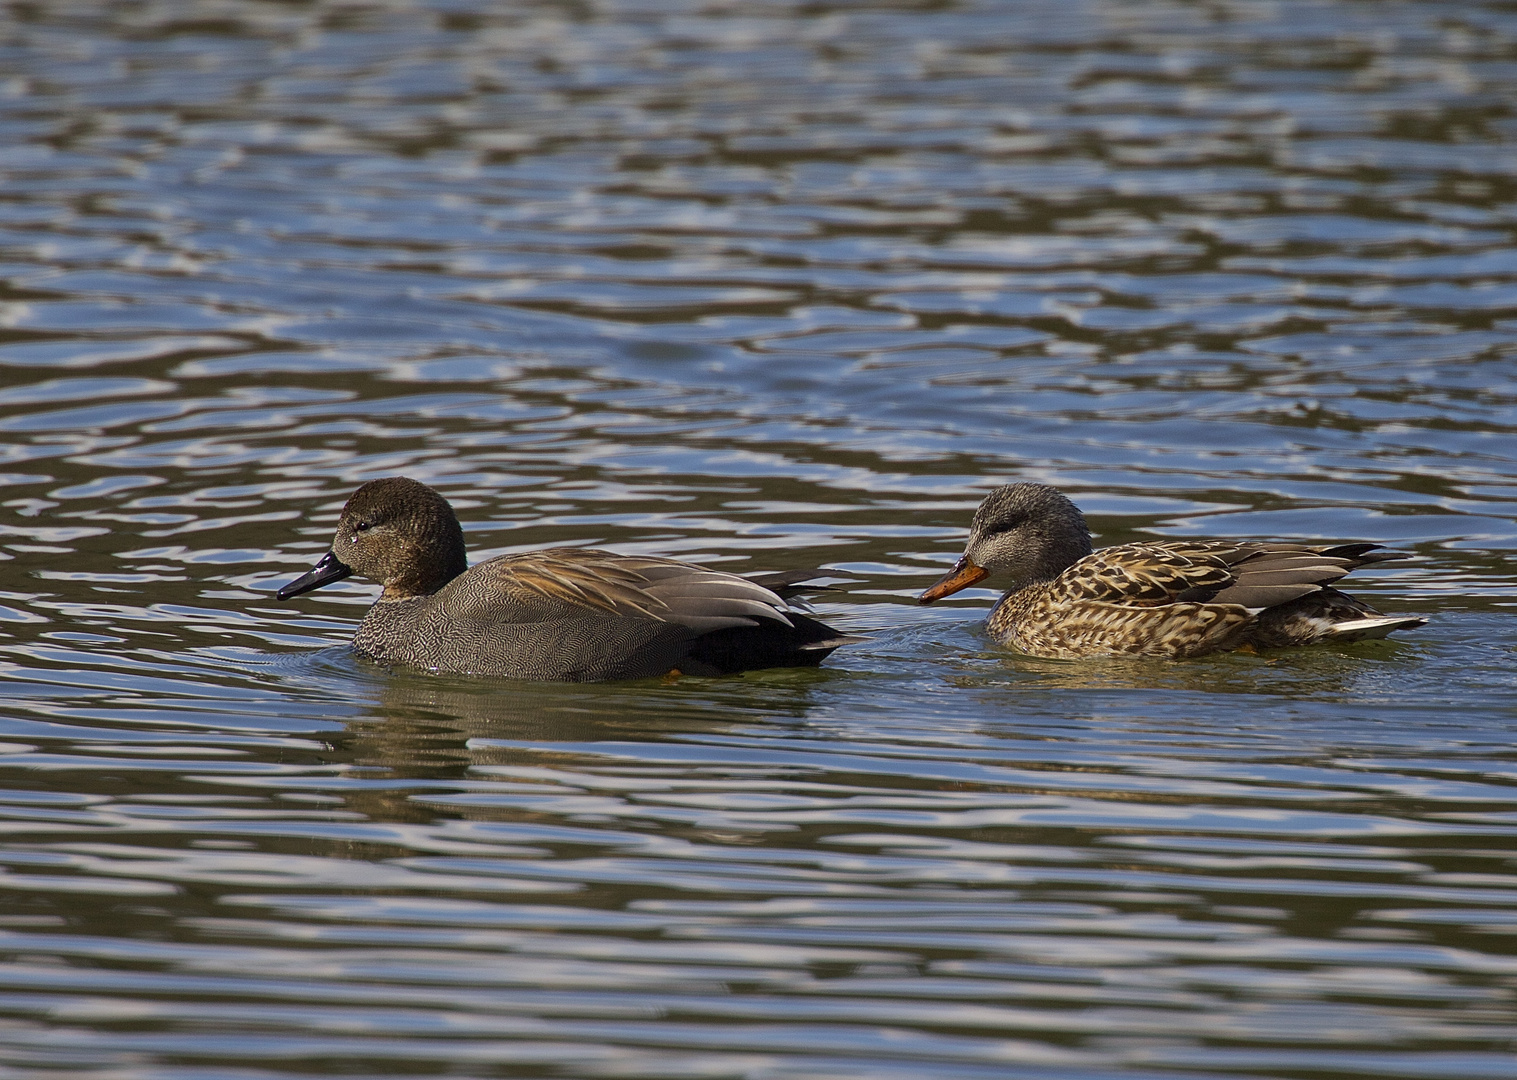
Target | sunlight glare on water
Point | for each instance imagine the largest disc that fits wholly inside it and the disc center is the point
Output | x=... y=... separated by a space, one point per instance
x=767 y=286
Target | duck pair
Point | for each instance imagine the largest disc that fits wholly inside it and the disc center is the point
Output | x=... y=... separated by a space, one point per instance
x=583 y=615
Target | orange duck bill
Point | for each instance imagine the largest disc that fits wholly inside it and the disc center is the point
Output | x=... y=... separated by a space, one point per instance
x=963 y=575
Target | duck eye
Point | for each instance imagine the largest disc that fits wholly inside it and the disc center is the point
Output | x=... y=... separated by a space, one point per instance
x=363 y=526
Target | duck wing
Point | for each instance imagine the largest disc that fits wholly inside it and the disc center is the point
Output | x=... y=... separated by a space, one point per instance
x=1251 y=575
x=791 y=583
x=582 y=615
x=568 y=583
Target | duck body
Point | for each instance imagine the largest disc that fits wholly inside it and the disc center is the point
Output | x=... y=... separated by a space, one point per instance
x=561 y=614
x=1173 y=598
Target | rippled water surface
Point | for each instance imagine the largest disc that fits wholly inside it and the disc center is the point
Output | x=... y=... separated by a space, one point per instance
x=768 y=285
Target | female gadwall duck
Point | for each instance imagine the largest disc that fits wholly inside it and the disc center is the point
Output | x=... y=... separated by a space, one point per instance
x=565 y=614
x=1175 y=598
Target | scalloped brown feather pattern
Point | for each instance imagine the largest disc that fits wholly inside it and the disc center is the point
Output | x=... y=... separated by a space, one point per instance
x=1027 y=620
x=1182 y=599
x=1145 y=574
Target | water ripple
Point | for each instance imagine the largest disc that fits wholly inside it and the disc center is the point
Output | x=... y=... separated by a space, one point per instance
x=769 y=288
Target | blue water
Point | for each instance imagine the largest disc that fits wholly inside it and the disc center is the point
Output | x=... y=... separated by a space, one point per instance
x=765 y=286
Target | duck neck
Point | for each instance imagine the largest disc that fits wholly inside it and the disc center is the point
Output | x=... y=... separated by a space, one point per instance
x=1038 y=560
x=423 y=576
x=1056 y=560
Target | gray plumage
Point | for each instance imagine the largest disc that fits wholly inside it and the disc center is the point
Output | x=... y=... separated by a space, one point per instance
x=561 y=614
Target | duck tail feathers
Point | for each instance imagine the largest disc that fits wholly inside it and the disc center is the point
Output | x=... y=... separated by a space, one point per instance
x=1376 y=627
x=835 y=642
x=789 y=584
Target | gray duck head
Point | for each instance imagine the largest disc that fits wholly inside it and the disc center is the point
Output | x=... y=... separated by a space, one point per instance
x=1021 y=534
x=396 y=531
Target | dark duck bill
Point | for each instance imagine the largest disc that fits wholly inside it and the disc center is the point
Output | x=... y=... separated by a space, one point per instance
x=328 y=570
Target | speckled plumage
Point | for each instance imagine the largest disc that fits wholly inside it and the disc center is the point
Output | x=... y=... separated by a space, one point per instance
x=1177 y=598
x=561 y=614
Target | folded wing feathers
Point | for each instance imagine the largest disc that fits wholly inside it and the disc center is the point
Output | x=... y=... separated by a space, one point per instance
x=709 y=599
x=1311 y=573
x=581 y=578
x=1258 y=597
x=1364 y=553
x=1269 y=578
x=1254 y=576
x=663 y=589
x=789 y=583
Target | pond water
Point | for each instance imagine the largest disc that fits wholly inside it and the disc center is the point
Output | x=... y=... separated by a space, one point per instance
x=769 y=286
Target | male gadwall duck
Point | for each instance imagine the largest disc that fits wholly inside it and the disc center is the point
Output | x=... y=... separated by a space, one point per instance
x=1174 y=598
x=564 y=614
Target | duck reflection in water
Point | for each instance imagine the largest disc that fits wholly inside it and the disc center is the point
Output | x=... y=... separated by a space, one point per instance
x=561 y=614
x=1170 y=598
x=434 y=732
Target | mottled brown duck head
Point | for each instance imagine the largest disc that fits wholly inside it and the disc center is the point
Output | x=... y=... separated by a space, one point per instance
x=395 y=531
x=1022 y=533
